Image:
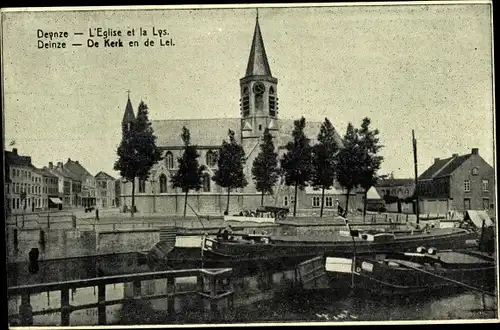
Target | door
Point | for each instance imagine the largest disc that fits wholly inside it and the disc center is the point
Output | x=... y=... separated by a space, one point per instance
x=466 y=204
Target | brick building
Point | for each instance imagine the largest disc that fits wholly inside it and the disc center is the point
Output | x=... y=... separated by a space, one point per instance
x=19 y=172
x=258 y=111
x=87 y=193
x=400 y=188
x=458 y=183
x=105 y=192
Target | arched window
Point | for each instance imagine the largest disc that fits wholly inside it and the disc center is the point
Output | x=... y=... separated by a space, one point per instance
x=169 y=160
x=285 y=200
x=163 y=183
x=142 y=186
x=206 y=182
x=272 y=102
x=211 y=158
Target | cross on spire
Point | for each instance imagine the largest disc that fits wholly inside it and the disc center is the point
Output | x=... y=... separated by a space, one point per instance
x=257 y=13
x=128 y=93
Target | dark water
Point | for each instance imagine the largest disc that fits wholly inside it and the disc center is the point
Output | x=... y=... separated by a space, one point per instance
x=331 y=308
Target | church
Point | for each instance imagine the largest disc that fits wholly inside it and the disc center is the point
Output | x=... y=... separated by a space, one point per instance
x=258 y=111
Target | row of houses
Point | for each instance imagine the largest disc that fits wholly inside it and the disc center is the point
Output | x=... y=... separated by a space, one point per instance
x=67 y=185
x=456 y=183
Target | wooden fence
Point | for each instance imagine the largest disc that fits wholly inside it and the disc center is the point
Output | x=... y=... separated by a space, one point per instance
x=218 y=280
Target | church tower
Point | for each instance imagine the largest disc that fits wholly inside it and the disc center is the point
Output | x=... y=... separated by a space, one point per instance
x=258 y=88
x=128 y=116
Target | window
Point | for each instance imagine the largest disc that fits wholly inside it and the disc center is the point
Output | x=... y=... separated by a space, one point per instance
x=245 y=102
x=142 y=186
x=486 y=203
x=8 y=189
x=272 y=102
x=466 y=185
x=329 y=201
x=407 y=192
x=169 y=160
x=475 y=171
x=285 y=200
x=260 y=127
x=485 y=185
x=316 y=201
x=211 y=158
x=163 y=183
x=206 y=182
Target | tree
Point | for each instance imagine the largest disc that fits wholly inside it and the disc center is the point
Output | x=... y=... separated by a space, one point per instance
x=190 y=173
x=348 y=163
x=265 y=170
x=323 y=159
x=229 y=173
x=137 y=152
x=297 y=162
x=370 y=161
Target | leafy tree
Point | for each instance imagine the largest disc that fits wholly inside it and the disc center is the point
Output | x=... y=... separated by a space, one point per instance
x=230 y=160
x=265 y=170
x=348 y=163
x=370 y=161
x=323 y=159
x=137 y=152
x=190 y=173
x=297 y=162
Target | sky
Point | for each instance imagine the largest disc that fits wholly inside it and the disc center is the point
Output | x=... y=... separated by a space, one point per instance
x=427 y=68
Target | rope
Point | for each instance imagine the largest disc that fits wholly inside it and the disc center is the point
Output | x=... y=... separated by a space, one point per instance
x=449 y=280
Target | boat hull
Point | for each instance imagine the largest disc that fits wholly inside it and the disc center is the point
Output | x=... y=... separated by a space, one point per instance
x=278 y=250
x=410 y=275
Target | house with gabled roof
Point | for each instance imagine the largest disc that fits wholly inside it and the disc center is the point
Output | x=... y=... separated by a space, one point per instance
x=457 y=183
x=105 y=191
x=258 y=92
x=87 y=194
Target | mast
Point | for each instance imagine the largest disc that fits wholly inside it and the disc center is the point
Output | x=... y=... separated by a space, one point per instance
x=416 y=174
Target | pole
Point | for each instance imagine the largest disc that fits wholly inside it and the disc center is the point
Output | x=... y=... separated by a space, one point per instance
x=416 y=174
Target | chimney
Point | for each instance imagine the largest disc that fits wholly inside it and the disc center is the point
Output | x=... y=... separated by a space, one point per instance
x=77 y=162
x=454 y=155
x=475 y=151
x=436 y=160
x=51 y=165
x=14 y=150
x=59 y=165
x=69 y=160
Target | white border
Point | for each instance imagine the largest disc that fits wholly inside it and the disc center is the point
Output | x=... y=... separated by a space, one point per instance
x=289 y=5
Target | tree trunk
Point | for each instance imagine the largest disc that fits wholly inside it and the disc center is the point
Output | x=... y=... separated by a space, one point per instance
x=227 y=206
x=322 y=202
x=365 y=203
x=133 y=198
x=185 y=202
x=347 y=202
x=262 y=199
x=295 y=201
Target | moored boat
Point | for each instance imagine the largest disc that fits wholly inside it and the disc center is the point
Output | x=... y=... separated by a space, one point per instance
x=243 y=248
x=265 y=214
x=405 y=273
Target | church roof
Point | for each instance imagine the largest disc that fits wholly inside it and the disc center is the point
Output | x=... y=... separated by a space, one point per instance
x=204 y=132
x=257 y=61
x=129 y=112
x=311 y=131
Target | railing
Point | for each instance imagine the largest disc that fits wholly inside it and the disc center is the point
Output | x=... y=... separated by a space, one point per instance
x=218 y=280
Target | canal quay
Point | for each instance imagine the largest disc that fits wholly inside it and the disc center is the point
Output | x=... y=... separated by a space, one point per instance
x=96 y=272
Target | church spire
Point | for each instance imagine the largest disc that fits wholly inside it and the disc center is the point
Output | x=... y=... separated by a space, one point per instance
x=128 y=116
x=257 y=62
